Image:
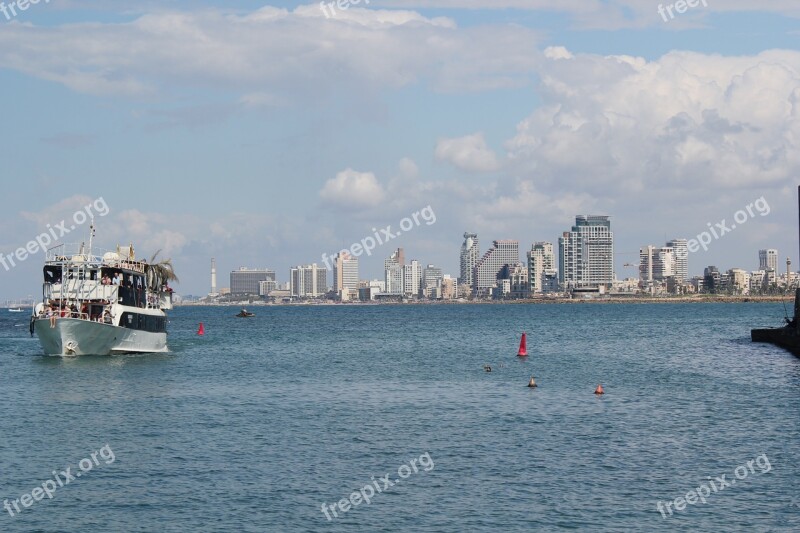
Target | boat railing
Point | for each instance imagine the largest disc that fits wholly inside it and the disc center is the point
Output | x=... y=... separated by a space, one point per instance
x=81 y=290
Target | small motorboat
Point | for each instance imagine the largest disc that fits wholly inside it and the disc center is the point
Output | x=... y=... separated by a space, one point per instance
x=17 y=310
x=244 y=313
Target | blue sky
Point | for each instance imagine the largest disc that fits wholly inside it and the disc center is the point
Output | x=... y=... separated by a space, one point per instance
x=265 y=134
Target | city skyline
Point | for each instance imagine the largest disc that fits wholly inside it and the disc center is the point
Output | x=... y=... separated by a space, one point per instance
x=509 y=130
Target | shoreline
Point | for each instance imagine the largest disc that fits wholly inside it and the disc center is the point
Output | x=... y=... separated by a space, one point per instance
x=721 y=299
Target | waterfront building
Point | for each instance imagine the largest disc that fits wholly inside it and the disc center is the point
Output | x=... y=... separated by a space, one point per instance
x=412 y=279
x=393 y=273
x=768 y=259
x=449 y=287
x=345 y=275
x=542 y=273
x=712 y=280
x=738 y=281
x=586 y=253
x=470 y=254
x=246 y=281
x=310 y=281
x=502 y=253
x=680 y=250
x=432 y=281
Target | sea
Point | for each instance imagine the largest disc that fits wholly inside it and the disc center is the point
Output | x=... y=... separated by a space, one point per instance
x=384 y=418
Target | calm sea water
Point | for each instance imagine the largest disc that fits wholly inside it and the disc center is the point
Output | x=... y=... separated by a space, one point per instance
x=256 y=425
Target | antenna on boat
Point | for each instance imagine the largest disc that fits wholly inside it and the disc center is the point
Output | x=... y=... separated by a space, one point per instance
x=91 y=235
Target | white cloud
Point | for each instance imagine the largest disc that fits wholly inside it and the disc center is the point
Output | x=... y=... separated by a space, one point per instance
x=353 y=190
x=469 y=153
x=682 y=120
x=270 y=55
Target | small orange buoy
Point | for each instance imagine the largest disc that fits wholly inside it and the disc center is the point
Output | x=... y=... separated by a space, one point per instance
x=523 y=350
x=201 y=330
x=599 y=390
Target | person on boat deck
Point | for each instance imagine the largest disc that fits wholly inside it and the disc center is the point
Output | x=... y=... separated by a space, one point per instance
x=84 y=311
x=106 y=280
x=51 y=314
x=117 y=278
x=107 y=317
x=74 y=310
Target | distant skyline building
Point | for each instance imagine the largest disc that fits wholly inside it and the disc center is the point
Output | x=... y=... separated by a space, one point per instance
x=681 y=251
x=542 y=273
x=393 y=273
x=309 y=281
x=345 y=274
x=412 y=279
x=213 y=278
x=586 y=253
x=432 y=281
x=768 y=259
x=502 y=253
x=656 y=265
x=246 y=281
x=470 y=253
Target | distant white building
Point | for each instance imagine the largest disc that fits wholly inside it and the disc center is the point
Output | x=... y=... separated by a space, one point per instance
x=542 y=273
x=393 y=273
x=345 y=275
x=681 y=252
x=412 y=279
x=469 y=258
x=768 y=259
x=586 y=253
x=310 y=281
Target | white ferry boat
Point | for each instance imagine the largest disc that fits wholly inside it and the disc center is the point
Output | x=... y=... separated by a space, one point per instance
x=102 y=305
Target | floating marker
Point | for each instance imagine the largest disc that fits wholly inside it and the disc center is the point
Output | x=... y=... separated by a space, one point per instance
x=599 y=390
x=201 y=330
x=523 y=350
x=532 y=383
x=487 y=368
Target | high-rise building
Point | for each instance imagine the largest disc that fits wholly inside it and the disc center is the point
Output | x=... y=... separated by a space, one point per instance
x=213 y=292
x=432 y=281
x=393 y=272
x=310 y=281
x=768 y=259
x=412 y=279
x=586 y=253
x=502 y=253
x=712 y=280
x=681 y=253
x=469 y=258
x=245 y=281
x=345 y=274
x=541 y=267
x=656 y=264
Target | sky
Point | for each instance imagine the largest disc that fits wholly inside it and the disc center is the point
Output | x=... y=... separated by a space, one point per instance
x=268 y=134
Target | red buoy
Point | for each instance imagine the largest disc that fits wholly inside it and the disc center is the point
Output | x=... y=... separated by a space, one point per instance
x=523 y=350
x=201 y=330
x=599 y=390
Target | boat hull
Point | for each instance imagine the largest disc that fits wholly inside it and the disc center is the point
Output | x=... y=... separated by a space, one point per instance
x=787 y=338
x=72 y=337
